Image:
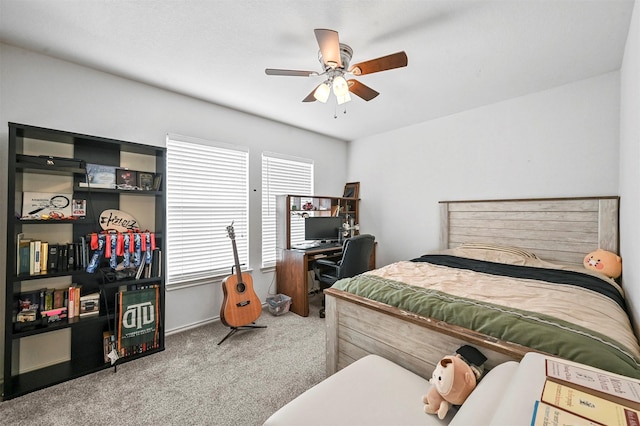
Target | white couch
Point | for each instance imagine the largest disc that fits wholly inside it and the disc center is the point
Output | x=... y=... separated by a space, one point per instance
x=375 y=391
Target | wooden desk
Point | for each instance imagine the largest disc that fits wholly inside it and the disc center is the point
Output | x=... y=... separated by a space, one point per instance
x=292 y=269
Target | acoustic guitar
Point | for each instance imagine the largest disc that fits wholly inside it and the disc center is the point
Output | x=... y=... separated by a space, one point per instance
x=241 y=305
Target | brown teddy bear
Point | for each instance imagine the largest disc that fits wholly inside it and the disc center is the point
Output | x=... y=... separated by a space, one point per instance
x=452 y=382
x=605 y=262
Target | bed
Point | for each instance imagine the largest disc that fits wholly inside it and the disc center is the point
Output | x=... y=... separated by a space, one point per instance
x=508 y=279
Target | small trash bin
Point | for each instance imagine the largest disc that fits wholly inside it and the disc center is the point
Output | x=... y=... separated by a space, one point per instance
x=279 y=304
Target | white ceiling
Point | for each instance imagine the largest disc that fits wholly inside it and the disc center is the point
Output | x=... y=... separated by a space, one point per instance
x=462 y=54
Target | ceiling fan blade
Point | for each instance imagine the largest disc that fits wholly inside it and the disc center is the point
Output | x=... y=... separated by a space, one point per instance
x=361 y=90
x=395 y=60
x=329 y=47
x=310 y=97
x=294 y=73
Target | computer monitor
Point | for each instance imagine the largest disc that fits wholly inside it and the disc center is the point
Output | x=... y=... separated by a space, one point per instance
x=323 y=228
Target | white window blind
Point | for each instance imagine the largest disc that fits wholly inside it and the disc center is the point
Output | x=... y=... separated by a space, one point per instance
x=281 y=175
x=207 y=190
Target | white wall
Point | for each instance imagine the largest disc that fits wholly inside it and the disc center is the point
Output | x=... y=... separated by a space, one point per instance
x=556 y=143
x=41 y=91
x=580 y=139
x=630 y=164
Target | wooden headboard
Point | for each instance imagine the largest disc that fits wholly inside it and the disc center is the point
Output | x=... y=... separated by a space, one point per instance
x=563 y=230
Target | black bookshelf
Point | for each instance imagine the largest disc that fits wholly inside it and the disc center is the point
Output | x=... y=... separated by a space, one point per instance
x=27 y=146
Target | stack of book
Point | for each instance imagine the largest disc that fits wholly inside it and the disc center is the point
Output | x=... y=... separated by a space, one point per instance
x=36 y=257
x=575 y=394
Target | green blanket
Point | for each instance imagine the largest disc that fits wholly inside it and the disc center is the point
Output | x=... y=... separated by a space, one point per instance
x=531 y=329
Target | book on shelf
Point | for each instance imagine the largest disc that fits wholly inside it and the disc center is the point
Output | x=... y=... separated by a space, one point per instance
x=44 y=256
x=19 y=238
x=77 y=255
x=58 y=298
x=36 y=256
x=63 y=257
x=84 y=252
x=71 y=260
x=76 y=296
x=71 y=302
x=591 y=394
x=32 y=255
x=140 y=270
x=48 y=299
x=156 y=263
x=52 y=258
x=24 y=254
x=55 y=314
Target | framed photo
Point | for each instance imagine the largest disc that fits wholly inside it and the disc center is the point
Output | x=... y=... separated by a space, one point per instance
x=100 y=176
x=79 y=207
x=126 y=179
x=145 y=181
x=351 y=190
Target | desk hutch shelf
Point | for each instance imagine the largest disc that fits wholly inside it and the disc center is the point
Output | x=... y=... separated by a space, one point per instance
x=292 y=266
x=291 y=210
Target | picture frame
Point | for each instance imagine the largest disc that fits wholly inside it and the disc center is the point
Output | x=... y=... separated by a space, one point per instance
x=351 y=190
x=145 y=181
x=126 y=179
x=157 y=180
x=100 y=176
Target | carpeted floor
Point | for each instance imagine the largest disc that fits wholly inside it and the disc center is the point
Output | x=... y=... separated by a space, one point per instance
x=194 y=381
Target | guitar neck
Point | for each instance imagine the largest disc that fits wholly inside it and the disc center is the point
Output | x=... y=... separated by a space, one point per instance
x=236 y=260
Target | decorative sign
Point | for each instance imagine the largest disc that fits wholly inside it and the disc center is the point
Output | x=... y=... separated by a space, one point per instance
x=137 y=320
x=117 y=220
x=48 y=204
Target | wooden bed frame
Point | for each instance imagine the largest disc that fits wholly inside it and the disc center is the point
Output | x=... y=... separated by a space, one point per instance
x=563 y=230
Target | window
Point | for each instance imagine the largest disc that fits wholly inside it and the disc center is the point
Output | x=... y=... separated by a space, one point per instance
x=281 y=175
x=207 y=190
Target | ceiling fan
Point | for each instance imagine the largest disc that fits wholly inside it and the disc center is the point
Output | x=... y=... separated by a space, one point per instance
x=334 y=58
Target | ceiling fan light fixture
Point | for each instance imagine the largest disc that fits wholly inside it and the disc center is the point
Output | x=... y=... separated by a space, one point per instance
x=340 y=86
x=343 y=99
x=322 y=92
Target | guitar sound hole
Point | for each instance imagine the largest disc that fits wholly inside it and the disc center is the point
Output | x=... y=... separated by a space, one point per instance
x=240 y=287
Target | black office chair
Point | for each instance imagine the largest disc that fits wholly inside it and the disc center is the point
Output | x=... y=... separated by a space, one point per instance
x=356 y=252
